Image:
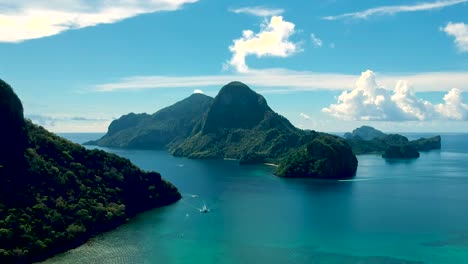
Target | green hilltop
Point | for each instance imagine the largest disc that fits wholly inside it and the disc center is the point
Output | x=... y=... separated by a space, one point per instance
x=367 y=139
x=158 y=130
x=239 y=124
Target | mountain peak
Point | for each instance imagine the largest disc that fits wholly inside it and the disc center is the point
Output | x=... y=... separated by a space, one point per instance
x=11 y=117
x=236 y=106
x=365 y=133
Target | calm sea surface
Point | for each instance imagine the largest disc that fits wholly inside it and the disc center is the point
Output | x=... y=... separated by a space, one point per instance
x=391 y=212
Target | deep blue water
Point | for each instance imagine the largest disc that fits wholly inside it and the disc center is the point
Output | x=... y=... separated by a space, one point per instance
x=391 y=212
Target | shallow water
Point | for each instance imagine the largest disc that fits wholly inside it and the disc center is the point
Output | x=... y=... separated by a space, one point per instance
x=391 y=212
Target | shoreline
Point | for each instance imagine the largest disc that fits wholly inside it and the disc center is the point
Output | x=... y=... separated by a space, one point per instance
x=42 y=258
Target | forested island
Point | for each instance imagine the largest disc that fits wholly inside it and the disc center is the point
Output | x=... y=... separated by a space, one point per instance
x=236 y=124
x=55 y=195
x=367 y=139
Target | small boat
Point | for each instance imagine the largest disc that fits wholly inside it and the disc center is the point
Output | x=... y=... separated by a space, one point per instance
x=204 y=209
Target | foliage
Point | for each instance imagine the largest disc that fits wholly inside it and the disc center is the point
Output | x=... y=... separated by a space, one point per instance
x=365 y=133
x=326 y=157
x=383 y=142
x=240 y=125
x=235 y=106
x=163 y=128
x=425 y=144
x=236 y=124
x=57 y=194
x=401 y=152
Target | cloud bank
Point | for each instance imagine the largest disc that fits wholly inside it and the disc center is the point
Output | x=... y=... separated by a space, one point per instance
x=272 y=41
x=65 y=123
x=281 y=80
x=260 y=11
x=391 y=10
x=370 y=102
x=460 y=32
x=22 y=20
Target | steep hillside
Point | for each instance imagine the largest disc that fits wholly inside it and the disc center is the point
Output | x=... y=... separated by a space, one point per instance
x=240 y=125
x=370 y=140
x=156 y=131
x=55 y=194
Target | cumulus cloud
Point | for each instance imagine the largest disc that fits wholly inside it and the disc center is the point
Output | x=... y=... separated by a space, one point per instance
x=453 y=108
x=22 y=20
x=460 y=32
x=316 y=41
x=370 y=102
x=305 y=116
x=260 y=11
x=391 y=10
x=198 y=91
x=272 y=40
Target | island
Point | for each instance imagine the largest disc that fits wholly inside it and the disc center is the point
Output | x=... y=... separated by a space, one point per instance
x=236 y=124
x=55 y=195
x=367 y=139
x=164 y=128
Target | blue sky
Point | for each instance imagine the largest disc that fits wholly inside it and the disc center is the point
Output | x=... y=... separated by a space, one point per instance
x=328 y=65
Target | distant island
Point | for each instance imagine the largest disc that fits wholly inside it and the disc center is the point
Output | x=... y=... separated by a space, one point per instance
x=236 y=124
x=367 y=139
x=55 y=195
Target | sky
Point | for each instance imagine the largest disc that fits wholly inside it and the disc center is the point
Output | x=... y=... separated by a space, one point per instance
x=328 y=65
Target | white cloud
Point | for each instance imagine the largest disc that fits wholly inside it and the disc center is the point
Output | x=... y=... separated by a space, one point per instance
x=281 y=80
x=410 y=106
x=391 y=10
x=460 y=32
x=66 y=123
x=317 y=42
x=22 y=20
x=260 y=11
x=370 y=102
x=453 y=108
x=198 y=91
x=305 y=116
x=272 y=40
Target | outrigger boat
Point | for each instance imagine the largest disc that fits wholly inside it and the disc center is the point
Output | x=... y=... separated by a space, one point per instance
x=204 y=209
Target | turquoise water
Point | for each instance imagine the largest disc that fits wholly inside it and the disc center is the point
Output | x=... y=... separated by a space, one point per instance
x=392 y=212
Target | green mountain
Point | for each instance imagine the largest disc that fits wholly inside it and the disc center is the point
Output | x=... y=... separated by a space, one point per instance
x=236 y=124
x=54 y=194
x=159 y=130
x=240 y=125
x=365 y=133
x=370 y=140
x=401 y=152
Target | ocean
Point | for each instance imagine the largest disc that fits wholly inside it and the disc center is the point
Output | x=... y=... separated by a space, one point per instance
x=392 y=212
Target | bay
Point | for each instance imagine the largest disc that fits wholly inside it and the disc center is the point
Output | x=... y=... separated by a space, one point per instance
x=391 y=212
